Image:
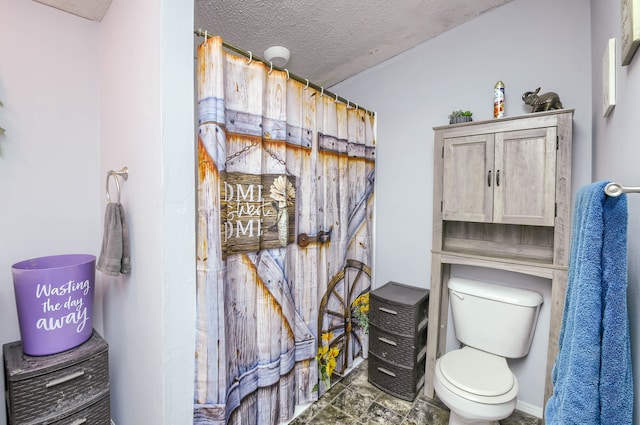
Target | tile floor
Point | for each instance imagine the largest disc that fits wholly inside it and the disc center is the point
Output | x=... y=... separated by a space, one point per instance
x=355 y=401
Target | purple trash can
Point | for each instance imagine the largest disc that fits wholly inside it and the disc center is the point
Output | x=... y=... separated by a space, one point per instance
x=54 y=299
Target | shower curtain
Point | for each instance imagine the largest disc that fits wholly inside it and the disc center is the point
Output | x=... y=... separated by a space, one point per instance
x=285 y=208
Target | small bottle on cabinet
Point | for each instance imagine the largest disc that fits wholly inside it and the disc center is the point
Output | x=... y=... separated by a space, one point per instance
x=498 y=100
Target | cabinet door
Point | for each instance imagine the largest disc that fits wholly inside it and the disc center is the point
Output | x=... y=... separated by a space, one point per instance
x=525 y=169
x=467 y=185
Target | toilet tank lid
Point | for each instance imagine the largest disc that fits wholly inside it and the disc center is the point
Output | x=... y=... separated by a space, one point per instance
x=506 y=294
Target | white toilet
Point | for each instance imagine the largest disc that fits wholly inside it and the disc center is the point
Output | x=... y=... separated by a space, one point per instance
x=494 y=323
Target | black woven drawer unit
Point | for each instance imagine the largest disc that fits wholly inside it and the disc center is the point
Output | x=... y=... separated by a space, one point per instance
x=398 y=349
x=401 y=381
x=51 y=389
x=399 y=308
x=398 y=338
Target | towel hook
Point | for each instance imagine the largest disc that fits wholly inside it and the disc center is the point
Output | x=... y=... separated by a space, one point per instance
x=124 y=173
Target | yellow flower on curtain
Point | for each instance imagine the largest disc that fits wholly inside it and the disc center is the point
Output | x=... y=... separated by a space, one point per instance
x=360 y=308
x=326 y=337
x=322 y=351
x=326 y=358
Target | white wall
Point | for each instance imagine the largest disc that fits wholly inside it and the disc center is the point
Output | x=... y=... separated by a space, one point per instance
x=416 y=90
x=616 y=150
x=146 y=71
x=50 y=187
x=81 y=98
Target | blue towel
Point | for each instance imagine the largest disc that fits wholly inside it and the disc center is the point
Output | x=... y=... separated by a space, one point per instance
x=592 y=376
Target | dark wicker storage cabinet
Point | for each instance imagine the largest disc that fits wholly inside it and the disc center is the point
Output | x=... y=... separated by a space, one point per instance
x=71 y=387
x=398 y=318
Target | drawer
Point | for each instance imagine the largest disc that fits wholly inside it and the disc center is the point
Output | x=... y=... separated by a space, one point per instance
x=53 y=386
x=59 y=391
x=399 y=349
x=399 y=381
x=97 y=413
x=399 y=308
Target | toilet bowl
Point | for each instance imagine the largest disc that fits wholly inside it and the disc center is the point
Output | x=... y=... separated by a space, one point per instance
x=478 y=387
x=493 y=322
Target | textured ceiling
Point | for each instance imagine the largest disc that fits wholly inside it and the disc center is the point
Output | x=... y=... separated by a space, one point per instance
x=90 y=9
x=329 y=40
x=332 y=40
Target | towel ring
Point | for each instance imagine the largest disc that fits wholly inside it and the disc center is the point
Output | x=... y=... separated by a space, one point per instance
x=124 y=173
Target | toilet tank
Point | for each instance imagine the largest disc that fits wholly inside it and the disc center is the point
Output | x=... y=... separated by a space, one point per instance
x=494 y=318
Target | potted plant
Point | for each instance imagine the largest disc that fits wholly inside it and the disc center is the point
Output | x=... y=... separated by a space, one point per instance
x=459 y=116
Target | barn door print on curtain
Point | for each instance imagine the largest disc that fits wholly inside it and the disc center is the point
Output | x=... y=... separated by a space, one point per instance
x=285 y=201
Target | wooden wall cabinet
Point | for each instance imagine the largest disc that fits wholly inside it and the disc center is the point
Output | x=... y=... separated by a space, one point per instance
x=484 y=177
x=501 y=199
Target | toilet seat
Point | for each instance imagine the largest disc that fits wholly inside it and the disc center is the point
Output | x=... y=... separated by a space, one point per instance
x=477 y=376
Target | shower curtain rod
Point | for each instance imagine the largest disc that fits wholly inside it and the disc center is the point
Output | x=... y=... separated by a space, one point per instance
x=248 y=54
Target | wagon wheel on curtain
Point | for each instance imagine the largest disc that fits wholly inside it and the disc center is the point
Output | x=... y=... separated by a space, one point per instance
x=335 y=312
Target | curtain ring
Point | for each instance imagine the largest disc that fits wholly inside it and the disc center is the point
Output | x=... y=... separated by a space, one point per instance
x=250 y=57
x=205 y=37
x=287 y=73
x=115 y=177
x=270 y=67
x=321 y=91
x=347 y=103
x=356 y=107
x=307 y=86
x=336 y=101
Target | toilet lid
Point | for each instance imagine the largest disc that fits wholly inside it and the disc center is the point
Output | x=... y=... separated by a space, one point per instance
x=477 y=372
